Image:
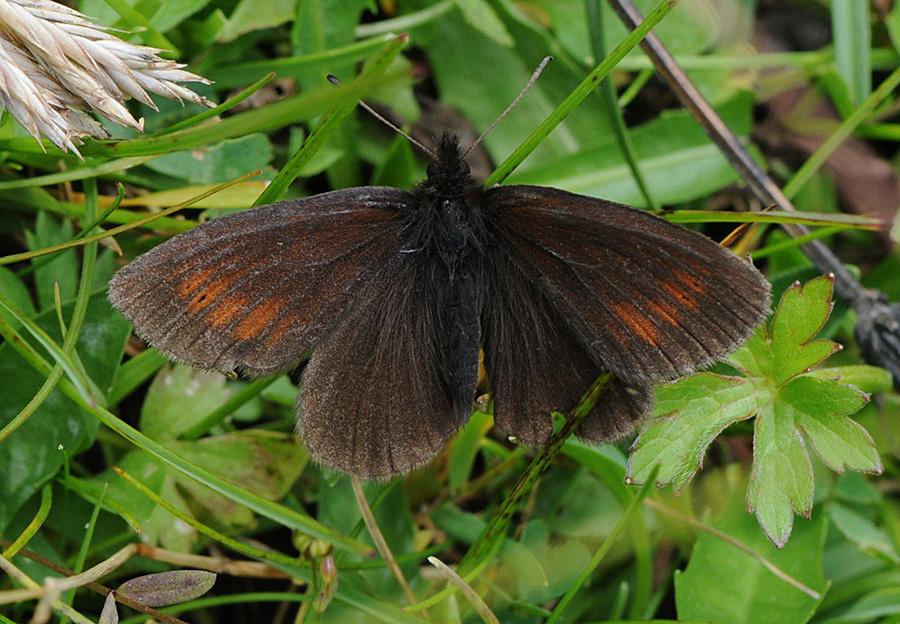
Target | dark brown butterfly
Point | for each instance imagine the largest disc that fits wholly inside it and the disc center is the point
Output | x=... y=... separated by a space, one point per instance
x=394 y=294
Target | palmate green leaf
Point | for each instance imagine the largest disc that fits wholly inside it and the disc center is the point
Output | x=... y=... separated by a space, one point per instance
x=693 y=412
x=792 y=405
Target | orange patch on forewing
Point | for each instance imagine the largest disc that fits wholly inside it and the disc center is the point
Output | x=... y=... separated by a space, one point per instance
x=206 y=294
x=259 y=319
x=688 y=281
x=227 y=310
x=668 y=312
x=681 y=294
x=639 y=324
x=193 y=282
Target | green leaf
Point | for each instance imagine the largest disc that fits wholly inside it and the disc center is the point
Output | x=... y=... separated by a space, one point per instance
x=61 y=268
x=266 y=463
x=481 y=16
x=465 y=448
x=852 y=46
x=16 y=292
x=791 y=403
x=57 y=431
x=168 y=588
x=801 y=315
x=781 y=481
x=247 y=17
x=820 y=406
x=723 y=583
x=178 y=398
x=694 y=411
x=864 y=533
x=217 y=163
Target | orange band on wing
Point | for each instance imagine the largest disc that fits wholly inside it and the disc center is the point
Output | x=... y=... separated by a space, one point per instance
x=259 y=319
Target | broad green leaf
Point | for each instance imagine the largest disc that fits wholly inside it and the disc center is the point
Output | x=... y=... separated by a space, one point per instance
x=723 y=583
x=16 y=292
x=61 y=268
x=862 y=532
x=266 y=463
x=480 y=15
x=247 y=17
x=217 y=163
x=675 y=155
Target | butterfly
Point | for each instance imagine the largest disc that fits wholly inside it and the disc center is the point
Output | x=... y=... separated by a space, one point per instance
x=393 y=295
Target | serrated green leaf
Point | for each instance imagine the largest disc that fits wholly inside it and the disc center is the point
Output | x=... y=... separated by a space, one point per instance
x=869 y=379
x=695 y=410
x=801 y=313
x=819 y=411
x=755 y=355
x=781 y=481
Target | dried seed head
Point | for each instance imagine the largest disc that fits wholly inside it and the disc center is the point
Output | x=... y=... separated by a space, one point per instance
x=55 y=65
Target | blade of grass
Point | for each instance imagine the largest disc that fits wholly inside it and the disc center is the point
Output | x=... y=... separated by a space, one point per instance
x=608 y=93
x=852 y=46
x=36 y=523
x=373 y=70
x=578 y=94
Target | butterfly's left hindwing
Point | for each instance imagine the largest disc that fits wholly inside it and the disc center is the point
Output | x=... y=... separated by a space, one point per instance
x=374 y=400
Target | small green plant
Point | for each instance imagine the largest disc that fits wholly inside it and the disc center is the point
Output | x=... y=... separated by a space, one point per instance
x=790 y=401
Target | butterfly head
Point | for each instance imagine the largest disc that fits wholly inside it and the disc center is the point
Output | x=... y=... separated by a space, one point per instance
x=448 y=174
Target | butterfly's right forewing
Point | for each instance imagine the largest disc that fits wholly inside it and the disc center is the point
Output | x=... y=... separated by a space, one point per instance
x=650 y=299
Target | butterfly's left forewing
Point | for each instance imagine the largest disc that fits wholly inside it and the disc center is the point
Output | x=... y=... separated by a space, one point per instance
x=256 y=289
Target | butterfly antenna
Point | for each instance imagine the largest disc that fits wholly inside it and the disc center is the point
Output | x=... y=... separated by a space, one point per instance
x=528 y=85
x=335 y=81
